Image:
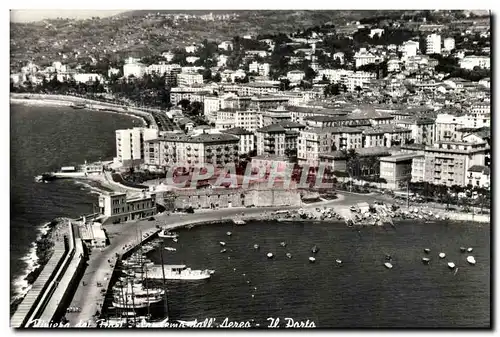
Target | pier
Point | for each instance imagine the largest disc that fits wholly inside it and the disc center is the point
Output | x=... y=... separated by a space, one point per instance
x=48 y=295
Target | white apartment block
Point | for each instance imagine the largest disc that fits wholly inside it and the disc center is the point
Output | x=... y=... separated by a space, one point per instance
x=449 y=44
x=363 y=57
x=211 y=104
x=446 y=125
x=130 y=145
x=433 y=44
x=469 y=62
x=248 y=120
x=295 y=76
x=133 y=68
x=410 y=48
x=188 y=79
x=447 y=163
x=162 y=68
x=259 y=68
x=358 y=78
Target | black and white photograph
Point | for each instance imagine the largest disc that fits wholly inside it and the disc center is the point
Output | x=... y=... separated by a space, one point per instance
x=250 y=169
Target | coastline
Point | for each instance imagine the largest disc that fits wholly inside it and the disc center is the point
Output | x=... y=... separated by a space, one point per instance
x=68 y=101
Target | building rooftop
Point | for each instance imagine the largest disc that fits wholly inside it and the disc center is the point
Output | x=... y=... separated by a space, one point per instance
x=237 y=131
x=479 y=169
x=400 y=157
x=290 y=124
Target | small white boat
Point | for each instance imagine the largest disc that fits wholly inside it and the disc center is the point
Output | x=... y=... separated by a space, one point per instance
x=339 y=261
x=289 y=255
x=222 y=243
x=388 y=265
x=175 y=239
x=170 y=249
x=223 y=251
x=270 y=255
x=442 y=255
x=469 y=249
x=451 y=265
x=312 y=259
x=426 y=260
x=463 y=250
x=471 y=259
x=229 y=233
x=283 y=244
x=427 y=250
x=256 y=246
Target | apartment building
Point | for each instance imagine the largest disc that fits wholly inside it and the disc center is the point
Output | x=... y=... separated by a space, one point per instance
x=211 y=104
x=423 y=130
x=261 y=103
x=447 y=163
x=447 y=125
x=257 y=89
x=357 y=79
x=315 y=141
x=409 y=49
x=470 y=62
x=478 y=176
x=385 y=135
x=397 y=169
x=229 y=118
x=130 y=145
x=188 y=79
x=163 y=68
x=193 y=94
x=259 y=68
x=449 y=44
x=433 y=44
x=363 y=57
x=247 y=139
x=118 y=207
x=278 y=139
x=295 y=76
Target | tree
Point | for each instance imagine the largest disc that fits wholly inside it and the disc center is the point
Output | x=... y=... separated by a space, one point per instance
x=184 y=103
x=310 y=74
x=217 y=77
x=207 y=75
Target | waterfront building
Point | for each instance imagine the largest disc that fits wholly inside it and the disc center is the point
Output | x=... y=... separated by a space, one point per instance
x=130 y=145
x=397 y=169
x=315 y=141
x=478 y=176
x=119 y=207
x=92 y=234
x=447 y=163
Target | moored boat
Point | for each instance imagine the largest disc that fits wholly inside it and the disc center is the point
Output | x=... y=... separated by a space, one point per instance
x=168 y=235
x=223 y=250
x=388 y=265
x=315 y=249
x=463 y=249
x=229 y=233
x=283 y=244
x=312 y=259
x=289 y=255
x=222 y=243
x=451 y=265
x=471 y=259
x=426 y=260
x=469 y=249
x=442 y=255
x=170 y=249
x=256 y=246
x=427 y=250
x=270 y=255
x=339 y=261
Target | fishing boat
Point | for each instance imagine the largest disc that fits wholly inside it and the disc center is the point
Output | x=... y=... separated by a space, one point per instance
x=315 y=249
x=270 y=255
x=451 y=265
x=471 y=260
x=283 y=244
x=426 y=260
x=222 y=243
x=339 y=261
x=289 y=255
x=256 y=246
x=223 y=250
x=177 y=272
x=168 y=235
x=312 y=259
x=427 y=250
x=175 y=240
x=229 y=233
x=170 y=249
x=388 y=265
x=463 y=249
x=469 y=249
x=239 y=222
x=442 y=255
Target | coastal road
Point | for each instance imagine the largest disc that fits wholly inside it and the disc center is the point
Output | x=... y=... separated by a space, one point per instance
x=101 y=262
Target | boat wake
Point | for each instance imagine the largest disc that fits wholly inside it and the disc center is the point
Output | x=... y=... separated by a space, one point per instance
x=92 y=189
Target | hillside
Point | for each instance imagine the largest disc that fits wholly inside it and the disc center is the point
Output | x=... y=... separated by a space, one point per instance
x=141 y=33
